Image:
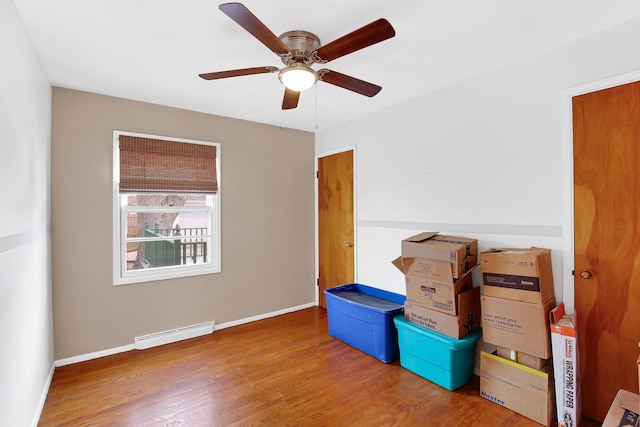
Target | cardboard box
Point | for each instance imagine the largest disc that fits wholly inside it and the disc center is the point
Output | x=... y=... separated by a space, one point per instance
x=524 y=390
x=522 y=358
x=462 y=252
x=519 y=325
x=564 y=332
x=518 y=274
x=430 y=283
x=452 y=326
x=439 y=296
x=624 y=410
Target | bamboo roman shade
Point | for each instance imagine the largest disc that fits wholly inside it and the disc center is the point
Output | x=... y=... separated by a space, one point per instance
x=159 y=166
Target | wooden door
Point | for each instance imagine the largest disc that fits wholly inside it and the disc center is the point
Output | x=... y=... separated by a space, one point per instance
x=335 y=222
x=606 y=146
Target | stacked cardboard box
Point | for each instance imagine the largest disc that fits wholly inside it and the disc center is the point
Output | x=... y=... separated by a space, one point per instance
x=518 y=295
x=524 y=390
x=438 y=276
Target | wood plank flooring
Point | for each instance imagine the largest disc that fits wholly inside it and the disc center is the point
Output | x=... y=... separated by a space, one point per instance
x=282 y=371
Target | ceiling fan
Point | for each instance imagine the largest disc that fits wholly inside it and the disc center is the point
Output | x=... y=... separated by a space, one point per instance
x=299 y=50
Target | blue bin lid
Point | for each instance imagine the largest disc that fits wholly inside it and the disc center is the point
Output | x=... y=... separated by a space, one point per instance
x=369 y=300
x=367 y=297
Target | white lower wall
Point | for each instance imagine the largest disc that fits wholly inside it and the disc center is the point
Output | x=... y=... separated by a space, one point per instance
x=26 y=354
x=481 y=158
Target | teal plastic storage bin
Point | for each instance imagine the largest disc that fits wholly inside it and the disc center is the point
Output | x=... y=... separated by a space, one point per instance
x=362 y=317
x=443 y=360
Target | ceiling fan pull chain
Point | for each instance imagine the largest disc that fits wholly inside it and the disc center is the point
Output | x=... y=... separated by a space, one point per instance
x=316 y=106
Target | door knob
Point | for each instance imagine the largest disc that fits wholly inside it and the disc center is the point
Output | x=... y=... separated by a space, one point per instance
x=349 y=245
x=586 y=274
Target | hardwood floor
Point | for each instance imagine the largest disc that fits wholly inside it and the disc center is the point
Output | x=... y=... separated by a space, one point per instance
x=282 y=371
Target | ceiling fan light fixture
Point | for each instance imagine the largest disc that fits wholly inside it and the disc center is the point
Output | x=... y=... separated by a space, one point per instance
x=298 y=77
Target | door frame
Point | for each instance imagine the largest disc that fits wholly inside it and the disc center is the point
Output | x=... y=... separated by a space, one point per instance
x=355 y=214
x=567 y=175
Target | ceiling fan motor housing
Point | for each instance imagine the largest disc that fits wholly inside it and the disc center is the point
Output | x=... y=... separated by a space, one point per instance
x=301 y=44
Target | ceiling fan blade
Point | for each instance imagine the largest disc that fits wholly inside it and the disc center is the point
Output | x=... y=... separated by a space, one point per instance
x=236 y=73
x=368 y=35
x=247 y=20
x=348 y=82
x=290 y=99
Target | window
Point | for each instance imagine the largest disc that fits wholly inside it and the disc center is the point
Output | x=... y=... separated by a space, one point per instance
x=166 y=208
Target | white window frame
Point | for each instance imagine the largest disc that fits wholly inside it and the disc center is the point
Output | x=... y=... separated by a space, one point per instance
x=120 y=274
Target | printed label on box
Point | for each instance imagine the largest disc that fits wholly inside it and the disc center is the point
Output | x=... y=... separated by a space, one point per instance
x=512 y=282
x=629 y=419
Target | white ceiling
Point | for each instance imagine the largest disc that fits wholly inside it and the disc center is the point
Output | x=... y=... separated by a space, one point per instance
x=153 y=50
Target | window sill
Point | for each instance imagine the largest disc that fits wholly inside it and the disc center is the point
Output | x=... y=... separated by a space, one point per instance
x=153 y=276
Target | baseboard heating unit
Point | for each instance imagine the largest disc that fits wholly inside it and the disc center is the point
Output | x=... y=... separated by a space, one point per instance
x=173 y=335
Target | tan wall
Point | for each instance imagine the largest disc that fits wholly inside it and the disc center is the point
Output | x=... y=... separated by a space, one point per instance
x=267 y=190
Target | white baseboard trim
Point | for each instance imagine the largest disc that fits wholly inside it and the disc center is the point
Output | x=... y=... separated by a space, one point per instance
x=94 y=355
x=122 y=349
x=43 y=396
x=264 y=316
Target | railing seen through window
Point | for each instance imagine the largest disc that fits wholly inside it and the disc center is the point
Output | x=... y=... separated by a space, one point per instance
x=187 y=246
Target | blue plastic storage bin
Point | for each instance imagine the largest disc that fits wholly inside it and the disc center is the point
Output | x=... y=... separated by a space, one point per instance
x=362 y=317
x=443 y=360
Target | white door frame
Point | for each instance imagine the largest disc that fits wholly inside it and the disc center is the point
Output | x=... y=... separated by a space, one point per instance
x=567 y=174
x=355 y=216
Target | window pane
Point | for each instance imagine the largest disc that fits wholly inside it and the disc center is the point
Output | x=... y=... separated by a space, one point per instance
x=166 y=199
x=176 y=234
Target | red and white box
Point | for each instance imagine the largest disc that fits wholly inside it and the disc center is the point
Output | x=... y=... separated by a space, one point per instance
x=564 y=345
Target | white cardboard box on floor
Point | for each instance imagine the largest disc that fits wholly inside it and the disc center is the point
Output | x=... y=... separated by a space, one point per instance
x=624 y=410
